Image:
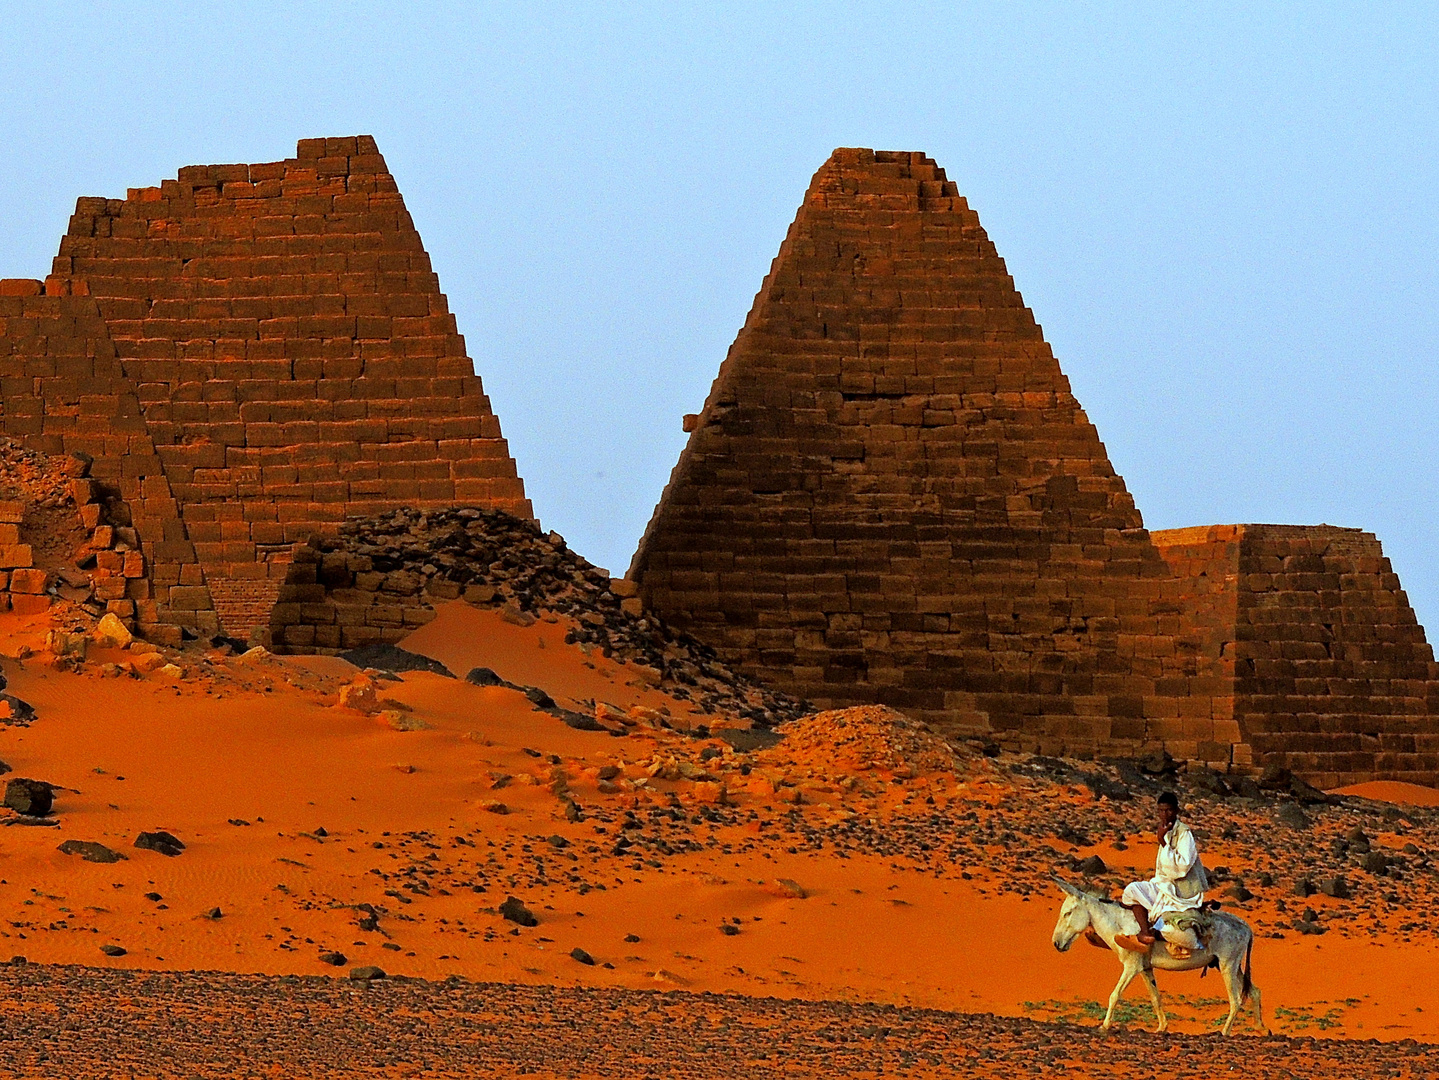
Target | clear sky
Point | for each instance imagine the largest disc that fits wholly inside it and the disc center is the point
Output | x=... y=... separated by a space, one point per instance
x=1225 y=220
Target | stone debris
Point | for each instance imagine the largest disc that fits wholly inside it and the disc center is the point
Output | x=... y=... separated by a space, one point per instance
x=381 y=577
x=160 y=841
x=90 y=851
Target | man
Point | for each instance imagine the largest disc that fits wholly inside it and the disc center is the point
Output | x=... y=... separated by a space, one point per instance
x=1177 y=886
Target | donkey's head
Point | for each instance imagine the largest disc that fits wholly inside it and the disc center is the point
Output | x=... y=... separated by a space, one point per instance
x=1073 y=916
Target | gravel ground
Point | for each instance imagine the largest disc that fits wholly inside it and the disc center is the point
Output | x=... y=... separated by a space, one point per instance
x=81 y=1022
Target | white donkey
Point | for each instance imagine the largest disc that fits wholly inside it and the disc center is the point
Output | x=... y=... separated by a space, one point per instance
x=1230 y=946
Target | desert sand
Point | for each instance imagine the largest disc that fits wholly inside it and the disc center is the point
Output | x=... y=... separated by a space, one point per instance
x=861 y=860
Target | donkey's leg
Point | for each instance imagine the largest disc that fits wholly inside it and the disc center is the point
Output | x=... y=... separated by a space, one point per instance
x=1234 y=983
x=1126 y=976
x=1258 y=1009
x=1159 y=1014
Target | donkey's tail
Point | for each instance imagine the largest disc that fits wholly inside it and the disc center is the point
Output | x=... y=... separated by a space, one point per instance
x=1248 y=969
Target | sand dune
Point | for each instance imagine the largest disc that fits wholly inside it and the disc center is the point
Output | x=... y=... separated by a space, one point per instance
x=303 y=821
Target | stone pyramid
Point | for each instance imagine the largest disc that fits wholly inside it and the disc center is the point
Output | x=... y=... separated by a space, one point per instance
x=891 y=494
x=278 y=355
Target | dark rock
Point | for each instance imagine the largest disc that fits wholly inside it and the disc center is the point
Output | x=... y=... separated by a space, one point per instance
x=1275 y=778
x=583 y=957
x=21 y=712
x=558 y=841
x=580 y=721
x=392 y=658
x=334 y=959
x=1091 y=865
x=1376 y=863
x=214 y=913
x=1358 y=840
x=1158 y=763
x=1102 y=787
x=539 y=698
x=729 y=929
x=1209 y=782
x=515 y=911
x=631 y=939
x=1335 y=887
x=90 y=851
x=1304 y=887
x=33 y=797
x=746 y=741
x=1240 y=894
x=1304 y=926
x=4 y=768
x=483 y=676
x=1307 y=793
x=1291 y=814
x=112 y=950
x=367 y=973
x=1246 y=787
x=160 y=841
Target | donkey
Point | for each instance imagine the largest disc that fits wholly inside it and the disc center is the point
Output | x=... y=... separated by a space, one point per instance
x=1230 y=948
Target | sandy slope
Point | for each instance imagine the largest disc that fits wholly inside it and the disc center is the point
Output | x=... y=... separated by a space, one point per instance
x=410 y=828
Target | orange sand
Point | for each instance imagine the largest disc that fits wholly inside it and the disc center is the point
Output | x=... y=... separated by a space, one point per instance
x=1395 y=792
x=259 y=741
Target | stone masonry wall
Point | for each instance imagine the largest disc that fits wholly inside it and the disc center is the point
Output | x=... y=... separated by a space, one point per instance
x=251 y=353
x=1329 y=670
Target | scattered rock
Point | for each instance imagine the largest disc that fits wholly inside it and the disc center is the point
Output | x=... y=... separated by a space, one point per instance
x=483 y=676
x=729 y=929
x=367 y=973
x=1102 y=787
x=1336 y=887
x=583 y=957
x=515 y=911
x=90 y=851
x=214 y=914
x=334 y=959
x=32 y=797
x=786 y=888
x=160 y=841
x=1304 y=887
x=392 y=658
x=1291 y=814
x=1091 y=865
x=112 y=950
x=111 y=633
x=1376 y=863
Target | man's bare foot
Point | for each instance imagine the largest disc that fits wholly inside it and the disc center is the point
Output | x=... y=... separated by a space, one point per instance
x=1124 y=941
x=1145 y=938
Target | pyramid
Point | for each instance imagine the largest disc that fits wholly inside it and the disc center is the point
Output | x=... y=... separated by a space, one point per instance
x=1321 y=661
x=282 y=356
x=892 y=496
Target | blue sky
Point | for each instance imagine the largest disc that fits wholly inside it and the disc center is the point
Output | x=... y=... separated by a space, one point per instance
x=1225 y=220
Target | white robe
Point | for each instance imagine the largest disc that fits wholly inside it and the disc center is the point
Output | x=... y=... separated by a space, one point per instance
x=1176 y=861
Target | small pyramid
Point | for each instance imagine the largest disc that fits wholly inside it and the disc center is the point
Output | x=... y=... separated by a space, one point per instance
x=892 y=496
x=278 y=354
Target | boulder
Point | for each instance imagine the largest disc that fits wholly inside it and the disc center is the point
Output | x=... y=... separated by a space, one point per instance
x=32 y=797
x=367 y=973
x=90 y=851
x=1292 y=815
x=160 y=841
x=111 y=633
x=515 y=911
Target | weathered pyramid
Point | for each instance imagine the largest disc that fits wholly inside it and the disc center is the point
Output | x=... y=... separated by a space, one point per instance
x=1321 y=662
x=892 y=496
x=251 y=353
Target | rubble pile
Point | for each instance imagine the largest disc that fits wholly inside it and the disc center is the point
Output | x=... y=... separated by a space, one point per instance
x=381 y=577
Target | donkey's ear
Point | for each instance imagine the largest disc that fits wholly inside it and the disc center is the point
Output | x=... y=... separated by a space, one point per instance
x=1067 y=887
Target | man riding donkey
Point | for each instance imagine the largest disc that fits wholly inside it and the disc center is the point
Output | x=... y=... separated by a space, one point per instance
x=1169 y=903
